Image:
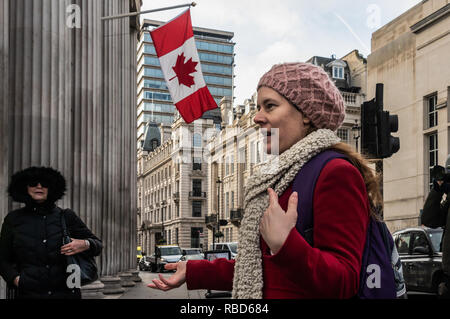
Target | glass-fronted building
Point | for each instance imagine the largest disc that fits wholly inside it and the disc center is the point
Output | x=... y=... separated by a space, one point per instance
x=216 y=53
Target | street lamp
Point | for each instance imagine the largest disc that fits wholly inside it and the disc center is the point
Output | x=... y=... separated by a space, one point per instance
x=356 y=129
x=218 y=182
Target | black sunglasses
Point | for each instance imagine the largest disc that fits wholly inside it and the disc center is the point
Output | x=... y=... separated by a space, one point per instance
x=35 y=183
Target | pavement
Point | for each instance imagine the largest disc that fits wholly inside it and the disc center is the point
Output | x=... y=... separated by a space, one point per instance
x=141 y=291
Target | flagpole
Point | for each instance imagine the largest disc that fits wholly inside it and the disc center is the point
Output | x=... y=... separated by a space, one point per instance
x=133 y=14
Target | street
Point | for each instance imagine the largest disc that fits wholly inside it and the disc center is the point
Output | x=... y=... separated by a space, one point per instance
x=141 y=291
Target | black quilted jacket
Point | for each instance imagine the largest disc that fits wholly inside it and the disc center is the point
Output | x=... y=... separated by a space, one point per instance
x=31 y=240
x=30 y=244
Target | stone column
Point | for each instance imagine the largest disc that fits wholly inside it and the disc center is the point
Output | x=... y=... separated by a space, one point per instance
x=93 y=291
x=69 y=101
x=4 y=126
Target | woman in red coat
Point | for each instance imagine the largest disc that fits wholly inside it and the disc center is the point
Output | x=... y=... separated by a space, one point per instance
x=301 y=108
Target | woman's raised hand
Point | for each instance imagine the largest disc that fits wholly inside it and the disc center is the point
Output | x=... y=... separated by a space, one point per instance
x=174 y=281
x=276 y=224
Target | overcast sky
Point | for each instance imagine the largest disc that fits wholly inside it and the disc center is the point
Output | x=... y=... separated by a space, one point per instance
x=269 y=32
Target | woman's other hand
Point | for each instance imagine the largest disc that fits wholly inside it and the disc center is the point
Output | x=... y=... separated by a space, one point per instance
x=276 y=224
x=75 y=247
x=174 y=281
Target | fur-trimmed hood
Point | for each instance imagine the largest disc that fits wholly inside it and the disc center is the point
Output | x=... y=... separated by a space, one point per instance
x=17 y=188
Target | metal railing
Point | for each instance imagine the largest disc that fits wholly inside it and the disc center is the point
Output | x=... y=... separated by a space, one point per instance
x=197 y=194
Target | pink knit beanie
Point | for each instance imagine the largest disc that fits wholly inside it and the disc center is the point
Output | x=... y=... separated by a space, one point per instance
x=308 y=87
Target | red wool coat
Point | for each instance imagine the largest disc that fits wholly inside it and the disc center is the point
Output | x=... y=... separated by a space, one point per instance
x=331 y=268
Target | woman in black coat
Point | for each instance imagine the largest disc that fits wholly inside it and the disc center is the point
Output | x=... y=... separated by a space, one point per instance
x=32 y=254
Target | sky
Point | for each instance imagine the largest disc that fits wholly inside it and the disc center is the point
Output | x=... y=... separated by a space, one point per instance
x=270 y=32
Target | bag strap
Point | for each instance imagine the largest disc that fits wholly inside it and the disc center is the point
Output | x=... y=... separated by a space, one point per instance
x=304 y=184
x=385 y=235
x=64 y=225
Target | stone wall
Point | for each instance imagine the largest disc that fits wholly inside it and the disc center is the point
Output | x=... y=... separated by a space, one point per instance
x=71 y=104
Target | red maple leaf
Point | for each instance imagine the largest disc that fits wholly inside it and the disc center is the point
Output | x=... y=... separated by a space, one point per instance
x=183 y=70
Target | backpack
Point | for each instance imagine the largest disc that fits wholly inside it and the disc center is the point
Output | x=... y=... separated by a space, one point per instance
x=381 y=275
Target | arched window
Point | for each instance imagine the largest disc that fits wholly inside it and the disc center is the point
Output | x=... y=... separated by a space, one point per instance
x=197 y=140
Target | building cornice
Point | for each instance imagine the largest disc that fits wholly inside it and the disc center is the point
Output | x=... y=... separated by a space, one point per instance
x=431 y=19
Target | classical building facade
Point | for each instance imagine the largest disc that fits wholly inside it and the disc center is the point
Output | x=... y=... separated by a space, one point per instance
x=410 y=56
x=173 y=184
x=68 y=100
x=235 y=153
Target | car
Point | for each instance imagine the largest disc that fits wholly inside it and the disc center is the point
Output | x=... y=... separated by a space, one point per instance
x=231 y=247
x=192 y=254
x=420 y=252
x=144 y=263
x=164 y=254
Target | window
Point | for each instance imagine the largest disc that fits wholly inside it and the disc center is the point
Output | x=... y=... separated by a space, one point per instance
x=197 y=140
x=420 y=244
x=403 y=243
x=243 y=157
x=147 y=37
x=210 y=79
x=197 y=164
x=436 y=239
x=149 y=48
x=338 y=72
x=232 y=200
x=157 y=96
x=157 y=73
x=176 y=235
x=252 y=152
x=209 y=57
x=196 y=208
x=219 y=91
x=258 y=155
x=195 y=236
x=232 y=164
x=432 y=111
x=208 y=68
x=148 y=60
x=433 y=155
x=227 y=206
x=197 y=187
x=227 y=168
x=342 y=133
x=207 y=46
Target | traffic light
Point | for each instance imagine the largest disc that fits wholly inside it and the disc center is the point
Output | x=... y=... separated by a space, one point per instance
x=376 y=128
x=369 y=145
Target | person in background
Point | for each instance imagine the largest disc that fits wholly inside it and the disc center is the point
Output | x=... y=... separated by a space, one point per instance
x=435 y=214
x=32 y=254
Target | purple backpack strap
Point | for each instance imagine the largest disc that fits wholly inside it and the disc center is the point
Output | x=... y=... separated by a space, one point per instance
x=304 y=184
x=378 y=247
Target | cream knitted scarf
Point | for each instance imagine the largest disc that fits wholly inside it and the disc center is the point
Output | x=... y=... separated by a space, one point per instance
x=248 y=273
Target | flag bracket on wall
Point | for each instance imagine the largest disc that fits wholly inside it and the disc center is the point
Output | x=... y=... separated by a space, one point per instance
x=133 y=14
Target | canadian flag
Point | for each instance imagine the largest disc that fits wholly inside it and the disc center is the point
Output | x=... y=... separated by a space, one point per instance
x=175 y=46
